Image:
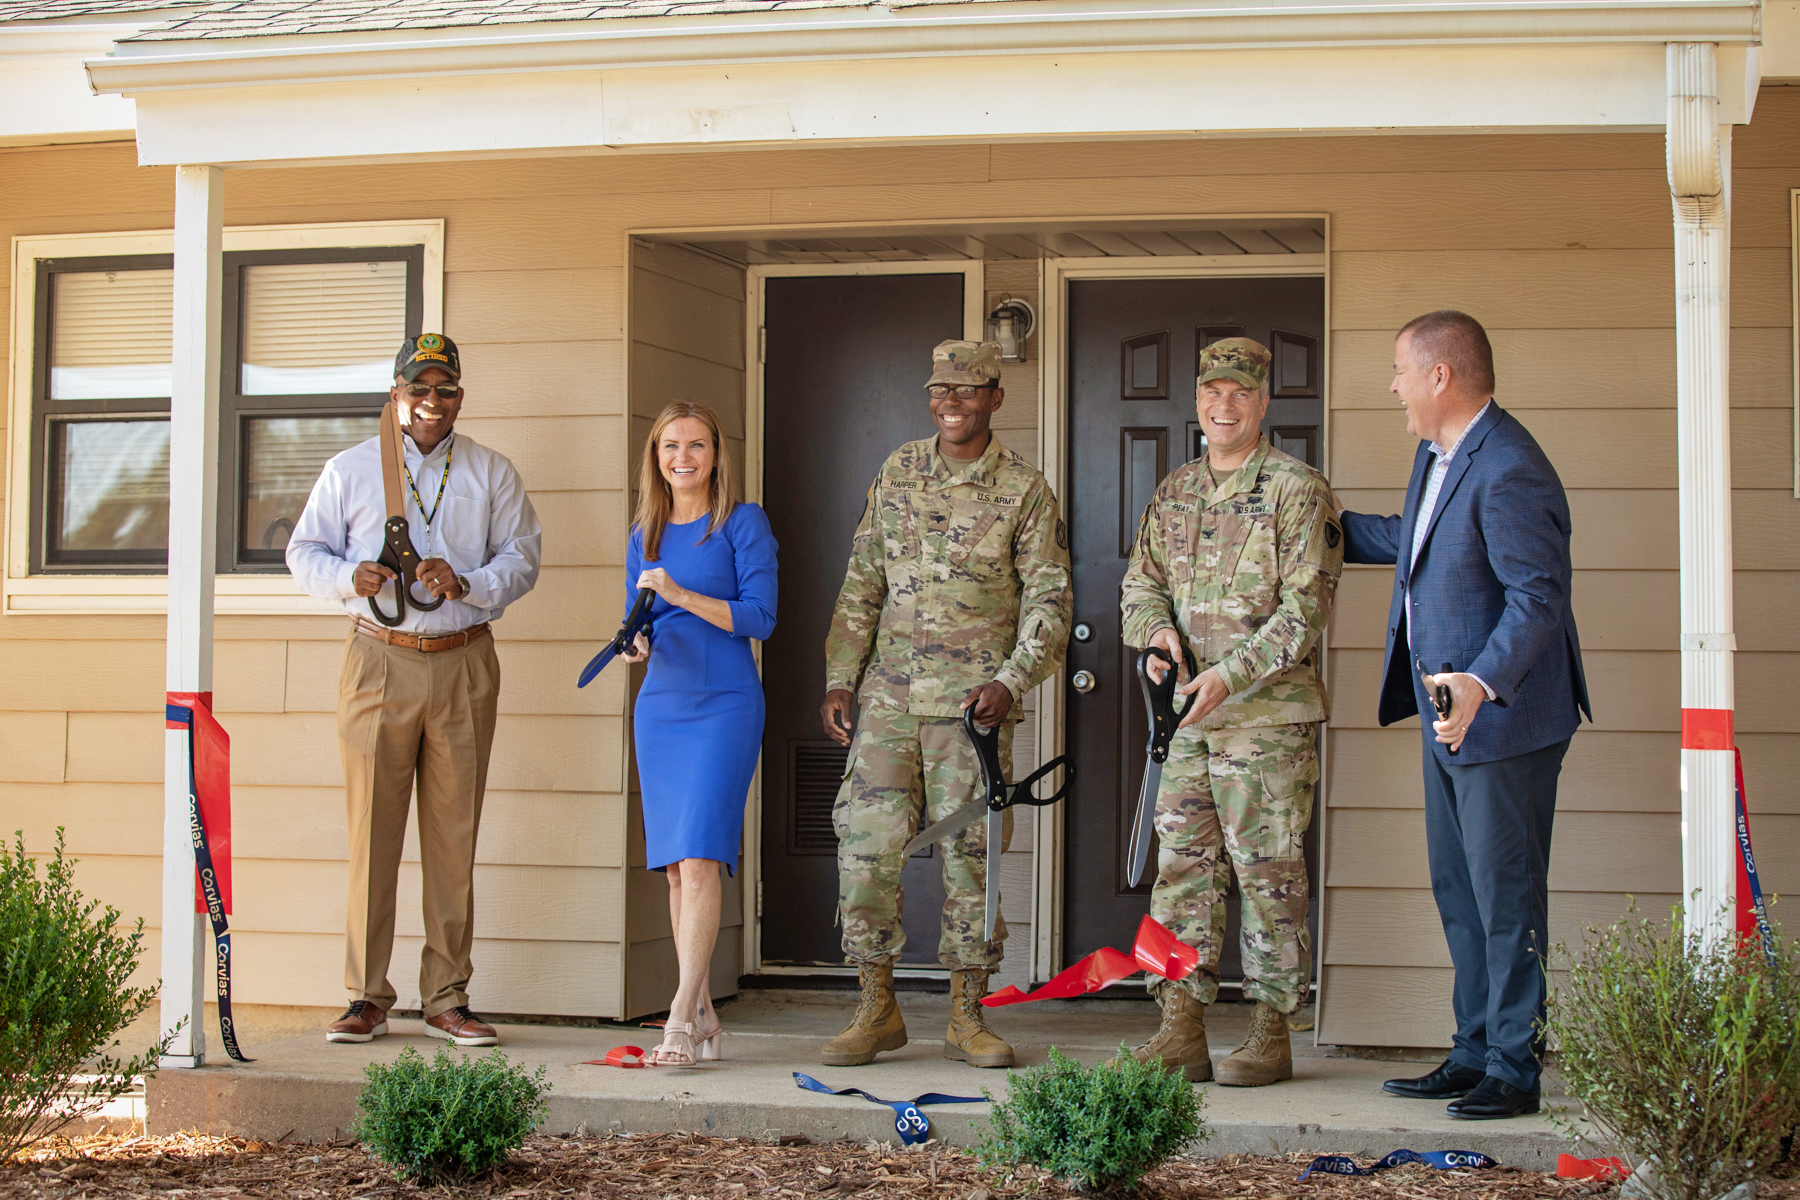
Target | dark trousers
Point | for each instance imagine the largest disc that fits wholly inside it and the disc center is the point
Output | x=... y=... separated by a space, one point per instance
x=1487 y=830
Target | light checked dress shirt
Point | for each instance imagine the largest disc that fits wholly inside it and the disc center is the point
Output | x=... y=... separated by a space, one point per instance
x=484 y=527
x=1434 y=480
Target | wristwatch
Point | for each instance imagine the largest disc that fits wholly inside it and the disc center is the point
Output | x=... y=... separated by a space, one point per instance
x=462 y=587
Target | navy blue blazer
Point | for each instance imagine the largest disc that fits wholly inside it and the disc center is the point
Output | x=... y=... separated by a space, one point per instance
x=1490 y=592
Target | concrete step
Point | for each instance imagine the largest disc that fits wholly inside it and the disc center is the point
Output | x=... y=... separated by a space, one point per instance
x=304 y=1087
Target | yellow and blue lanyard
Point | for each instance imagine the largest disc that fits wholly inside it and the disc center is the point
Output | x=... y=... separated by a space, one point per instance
x=436 y=504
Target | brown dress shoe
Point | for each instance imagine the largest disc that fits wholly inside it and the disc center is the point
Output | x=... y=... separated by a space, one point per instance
x=362 y=1022
x=462 y=1027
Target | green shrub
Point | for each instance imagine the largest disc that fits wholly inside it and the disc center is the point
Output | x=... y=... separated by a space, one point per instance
x=449 y=1121
x=1097 y=1127
x=1680 y=1051
x=64 y=968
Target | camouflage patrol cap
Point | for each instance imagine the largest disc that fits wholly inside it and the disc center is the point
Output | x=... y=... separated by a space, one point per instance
x=974 y=363
x=1241 y=359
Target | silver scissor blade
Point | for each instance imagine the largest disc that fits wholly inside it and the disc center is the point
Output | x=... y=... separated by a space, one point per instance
x=995 y=830
x=966 y=815
x=1143 y=827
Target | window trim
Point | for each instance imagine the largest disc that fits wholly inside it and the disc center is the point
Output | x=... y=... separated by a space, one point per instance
x=237 y=409
x=145 y=591
x=40 y=481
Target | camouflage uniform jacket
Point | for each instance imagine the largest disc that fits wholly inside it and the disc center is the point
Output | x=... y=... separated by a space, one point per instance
x=1246 y=569
x=958 y=576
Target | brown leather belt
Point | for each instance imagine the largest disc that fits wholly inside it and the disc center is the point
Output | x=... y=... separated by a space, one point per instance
x=426 y=644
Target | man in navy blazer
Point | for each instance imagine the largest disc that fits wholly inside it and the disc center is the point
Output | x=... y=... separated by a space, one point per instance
x=1481 y=606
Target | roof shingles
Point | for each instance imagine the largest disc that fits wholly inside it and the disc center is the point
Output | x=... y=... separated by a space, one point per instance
x=219 y=19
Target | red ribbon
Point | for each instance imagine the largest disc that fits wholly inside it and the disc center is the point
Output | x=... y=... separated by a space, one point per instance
x=212 y=784
x=1570 y=1167
x=1707 y=729
x=616 y=1058
x=1156 y=951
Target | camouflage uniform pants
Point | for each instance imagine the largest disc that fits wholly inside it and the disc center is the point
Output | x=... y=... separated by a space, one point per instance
x=898 y=764
x=1238 y=800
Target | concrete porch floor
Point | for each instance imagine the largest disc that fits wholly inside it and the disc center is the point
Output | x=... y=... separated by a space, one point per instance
x=303 y=1087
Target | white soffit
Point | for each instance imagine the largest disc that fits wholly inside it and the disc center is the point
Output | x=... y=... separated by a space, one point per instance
x=863 y=76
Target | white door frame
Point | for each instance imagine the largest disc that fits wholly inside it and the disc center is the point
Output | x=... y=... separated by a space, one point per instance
x=974 y=306
x=1058 y=273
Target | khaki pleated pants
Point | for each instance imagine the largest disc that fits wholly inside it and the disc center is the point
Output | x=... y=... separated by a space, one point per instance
x=406 y=716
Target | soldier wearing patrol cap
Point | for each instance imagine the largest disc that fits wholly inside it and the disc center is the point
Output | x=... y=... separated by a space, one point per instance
x=416 y=700
x=956 y=596
x=1237 y=558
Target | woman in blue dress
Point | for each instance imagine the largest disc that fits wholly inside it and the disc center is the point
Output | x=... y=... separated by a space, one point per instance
x=698 y=722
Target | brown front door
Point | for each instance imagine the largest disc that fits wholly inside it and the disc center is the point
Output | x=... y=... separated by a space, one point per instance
x=1132 y=345
x=843 y=387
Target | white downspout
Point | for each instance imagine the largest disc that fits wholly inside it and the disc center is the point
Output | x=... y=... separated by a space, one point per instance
x=193 y=550
x=1699 y=156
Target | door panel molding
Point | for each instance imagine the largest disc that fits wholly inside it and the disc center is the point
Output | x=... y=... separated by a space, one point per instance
x=1053 y=433
x=755 y=309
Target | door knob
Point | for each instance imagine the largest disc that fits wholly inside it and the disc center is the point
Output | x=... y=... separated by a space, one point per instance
x=1084 y=681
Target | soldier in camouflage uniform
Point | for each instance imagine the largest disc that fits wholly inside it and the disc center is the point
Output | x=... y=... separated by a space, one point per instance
x=1237 y=557
x=956 y=595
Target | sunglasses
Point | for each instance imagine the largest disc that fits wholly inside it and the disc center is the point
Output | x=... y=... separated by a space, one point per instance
x=938 y=391
x=445 y=391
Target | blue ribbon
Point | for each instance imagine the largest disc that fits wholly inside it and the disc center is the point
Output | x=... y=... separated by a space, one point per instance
x=177 y=714
x=1756 y=894
x=1443 y=1160
x=911 y=1124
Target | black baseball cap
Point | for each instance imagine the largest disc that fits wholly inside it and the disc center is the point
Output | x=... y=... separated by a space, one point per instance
x=427 y=350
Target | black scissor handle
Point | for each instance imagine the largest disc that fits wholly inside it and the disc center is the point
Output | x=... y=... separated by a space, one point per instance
x=1443 y=701
x=636 y=621
x=1024 y=791
x=399 y=556
x=986 y=741
x=1159 y=698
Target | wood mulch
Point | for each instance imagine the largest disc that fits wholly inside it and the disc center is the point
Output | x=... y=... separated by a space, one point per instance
x=676 y=1166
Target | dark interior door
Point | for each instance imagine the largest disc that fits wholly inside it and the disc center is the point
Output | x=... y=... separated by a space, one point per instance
x=843 y=387
x=1132 y=345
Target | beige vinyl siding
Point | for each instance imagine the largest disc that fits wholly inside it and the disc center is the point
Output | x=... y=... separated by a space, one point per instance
x=1561 y=242
x=687 y=343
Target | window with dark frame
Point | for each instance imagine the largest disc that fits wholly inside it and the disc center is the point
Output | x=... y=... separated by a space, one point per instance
x=308 y=344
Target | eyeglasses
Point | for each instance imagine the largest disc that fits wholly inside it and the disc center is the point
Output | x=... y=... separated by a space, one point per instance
x=938 y=391
x=445 y=391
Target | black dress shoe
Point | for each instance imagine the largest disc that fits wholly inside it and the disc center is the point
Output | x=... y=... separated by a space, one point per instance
x=1450 y=1079
x=1494 y=1100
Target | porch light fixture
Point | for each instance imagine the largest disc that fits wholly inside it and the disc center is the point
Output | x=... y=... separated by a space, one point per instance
x=1011 y=324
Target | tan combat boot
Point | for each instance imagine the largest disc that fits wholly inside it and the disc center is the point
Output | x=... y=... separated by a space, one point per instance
x=1180 y=1041
x=877 y=1025
x=968 y=1039
x=1266 y=1055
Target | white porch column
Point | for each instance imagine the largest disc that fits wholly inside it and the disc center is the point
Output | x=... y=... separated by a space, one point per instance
x=1699 y=156
x=193 y=497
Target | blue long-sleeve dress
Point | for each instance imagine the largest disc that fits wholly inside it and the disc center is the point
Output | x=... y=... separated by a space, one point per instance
x=698 y=723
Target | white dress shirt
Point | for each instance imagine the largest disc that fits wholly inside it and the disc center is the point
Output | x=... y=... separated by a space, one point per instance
x=1434 y=481
x=484 y=527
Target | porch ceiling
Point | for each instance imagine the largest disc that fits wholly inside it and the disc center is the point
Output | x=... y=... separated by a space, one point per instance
x=997 y=242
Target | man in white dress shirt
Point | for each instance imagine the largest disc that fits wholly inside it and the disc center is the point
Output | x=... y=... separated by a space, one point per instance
x=416 y=701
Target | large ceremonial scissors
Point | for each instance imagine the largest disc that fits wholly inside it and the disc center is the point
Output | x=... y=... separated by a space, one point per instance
x=636 y=621
x=397 y=552
x=1159 y=705
x=995 y=798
